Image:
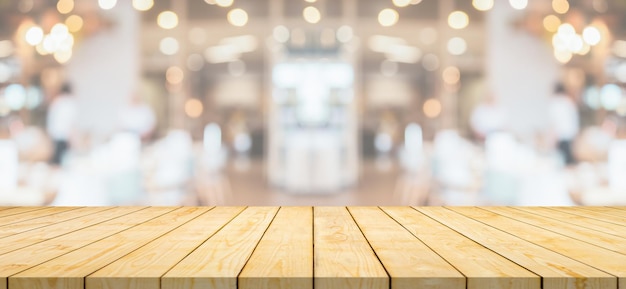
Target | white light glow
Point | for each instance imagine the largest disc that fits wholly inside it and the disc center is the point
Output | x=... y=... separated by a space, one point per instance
x=143 y=5
x=224 y=3
x=482 y=5
x=610 y=96
x=34 y=35
x=457 y=46
x=388 y=17
x=169 y=46
x=592 y=35
x=401 y=3
x=238 y=17
x=167 y=20
x=311 y=15
x=281 y=34
x=458 y=20
x=345 y=34
x=519 y=4
x=107 y=4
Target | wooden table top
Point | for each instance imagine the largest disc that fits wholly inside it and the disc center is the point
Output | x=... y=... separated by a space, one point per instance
x=312 y=247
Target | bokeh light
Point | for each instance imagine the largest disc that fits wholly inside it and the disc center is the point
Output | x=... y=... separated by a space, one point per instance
x=143 y=5
x=174 y=75
x=457 y=46
x=311 y=15
x=388 y=17
x=193 y=108
x=551 y=23
x=432 y=108
x=592 y=35
x=169 y=46
x=167 y=20
x=560 y=6
x=519 y=4
x=34 y=35
x=224 y=3
x=482 y=5
x=74 y=23
x=458 y=20
x=238 y=17
x=401 y=3
x=107 y=4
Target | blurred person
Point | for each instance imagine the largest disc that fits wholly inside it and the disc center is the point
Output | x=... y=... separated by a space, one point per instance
x=61 y=122
x=138 y=117
x=564 y=122
x=488 y=117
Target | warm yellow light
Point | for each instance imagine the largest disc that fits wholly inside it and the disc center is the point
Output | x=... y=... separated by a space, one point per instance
x=482 y=5
x=34 y=35
x=74 y=23
x=566 y=30
x=401 y=3
x=174 y=75
x=143 y=5
x=451 y=75
x=432 y=108
x=458 y=20
x=193 y=108
x=224 y=3
x=311 y=14
x=65 y=6
x=238 y=17
x=560 y=6
x=592 y=35
x=519 y=4
x=551 y=23
x=310 y=1
x=167 y=20
x=388 y=17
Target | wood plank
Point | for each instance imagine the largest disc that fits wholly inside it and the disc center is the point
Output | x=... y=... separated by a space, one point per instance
x=598 y=257
x=217 y=263
x=29 y=238
x=342 y=256
x=409 y=262
x=597 y=238
x=482 y=267
x=16 y=211
x=283 y=259
x=31 y=214
x=556 y=270
x=578 y=220
x=40 y=222
x=598 y=213
x=144 y=267
x=19 y=260
x=69 y=271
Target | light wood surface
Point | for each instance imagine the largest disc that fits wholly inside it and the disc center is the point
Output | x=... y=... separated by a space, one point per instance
x=284 y=257
x=343 y=257
x=312 y=247
x=482 y=267
x=217 y=263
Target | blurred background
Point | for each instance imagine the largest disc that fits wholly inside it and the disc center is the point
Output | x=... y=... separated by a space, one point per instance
x=312 y=102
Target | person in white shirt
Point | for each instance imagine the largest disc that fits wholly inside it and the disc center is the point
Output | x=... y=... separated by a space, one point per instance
x=61 y=122
x=488 y=117
x=564 y=122
x=137 y=117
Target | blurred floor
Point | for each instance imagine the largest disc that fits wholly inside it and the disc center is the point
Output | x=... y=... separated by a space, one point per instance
x=249 y=187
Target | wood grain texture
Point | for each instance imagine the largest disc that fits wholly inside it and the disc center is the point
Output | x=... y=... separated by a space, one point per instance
x=283 y=259
x=408 y=261
x=597 y=257
x=143 y=268
x=590 y=236
x=31 y=214
x=604 y=214
x=218 y=261
x=342 y=256
x=28 y=238
x=482 y=267
x=68 y=271
x=9 y=211
x=19 y=260
x=556 y=270
x=41 y=222
x=312 y=247
x=578 y=220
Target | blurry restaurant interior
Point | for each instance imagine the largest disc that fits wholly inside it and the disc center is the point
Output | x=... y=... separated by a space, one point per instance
x=312 y=102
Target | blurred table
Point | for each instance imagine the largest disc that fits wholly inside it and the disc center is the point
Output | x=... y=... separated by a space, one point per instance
x=306 y=247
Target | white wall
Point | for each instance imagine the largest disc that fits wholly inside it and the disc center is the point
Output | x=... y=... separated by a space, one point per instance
x=105 y=69
x=521 y=70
